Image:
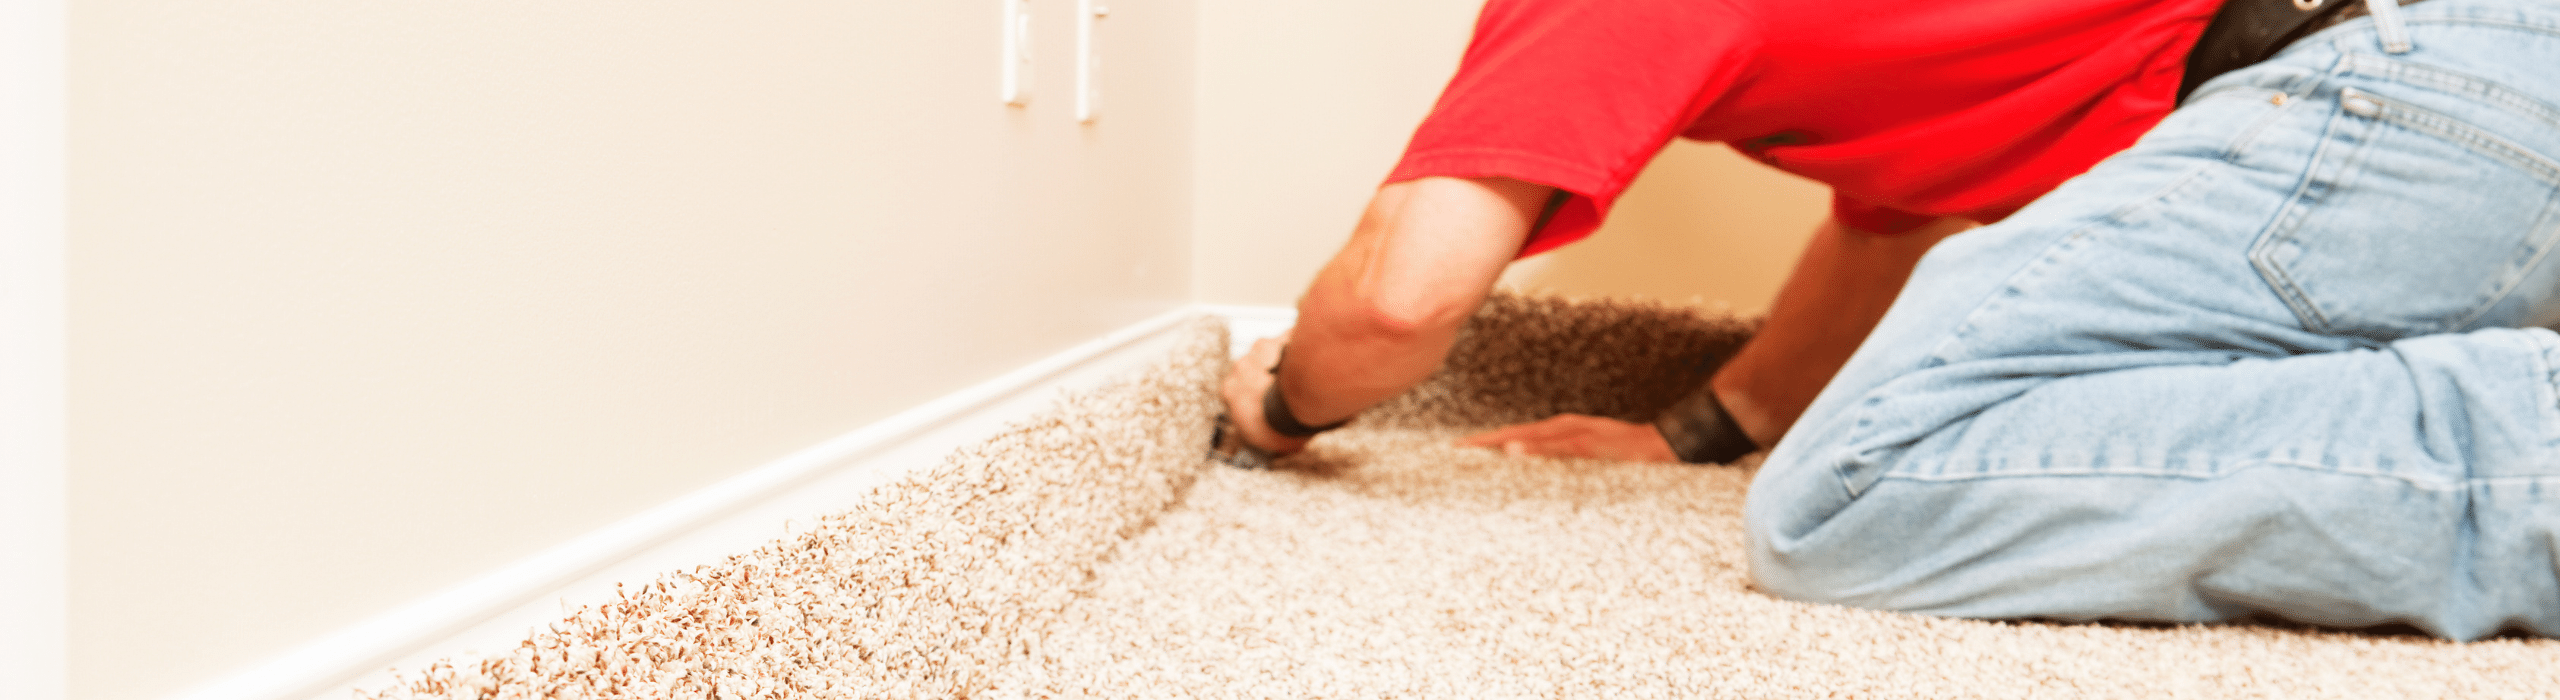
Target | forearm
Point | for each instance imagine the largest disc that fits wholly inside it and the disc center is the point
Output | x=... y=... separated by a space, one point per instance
x=1383 y=313
x=1839 y=290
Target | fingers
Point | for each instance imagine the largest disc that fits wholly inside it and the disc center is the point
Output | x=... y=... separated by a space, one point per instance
x=1577 y=436
x=1243 y=389
x=1560 y=426
x=1267 y=350
x=1503 y=436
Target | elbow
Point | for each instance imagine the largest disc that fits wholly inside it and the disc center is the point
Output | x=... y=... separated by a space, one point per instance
x=1400 y=319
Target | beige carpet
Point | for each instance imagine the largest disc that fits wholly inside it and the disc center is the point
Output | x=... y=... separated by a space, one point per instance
x=1093 y=554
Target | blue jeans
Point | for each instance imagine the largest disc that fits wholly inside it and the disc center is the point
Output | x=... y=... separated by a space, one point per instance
x=2281 y=357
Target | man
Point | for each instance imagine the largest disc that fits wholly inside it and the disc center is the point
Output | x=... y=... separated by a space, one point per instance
x=2277 y=358
x=1922 y=116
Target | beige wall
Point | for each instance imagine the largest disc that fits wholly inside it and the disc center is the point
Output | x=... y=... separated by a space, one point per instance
x=1305 y=105
x=1701 y=225
x=366 y=298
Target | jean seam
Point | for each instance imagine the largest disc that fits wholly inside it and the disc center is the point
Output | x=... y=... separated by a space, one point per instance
x=2288 y=222
x=2507 y=22
x=2452 y=82
x=2549 y=391
x=1940 y=475
x=2463 y=134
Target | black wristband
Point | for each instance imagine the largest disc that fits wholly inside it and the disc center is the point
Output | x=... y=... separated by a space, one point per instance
x=1701 y=432
x=1275 y=409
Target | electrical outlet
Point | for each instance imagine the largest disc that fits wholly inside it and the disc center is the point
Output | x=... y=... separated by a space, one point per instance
x=1017 y=52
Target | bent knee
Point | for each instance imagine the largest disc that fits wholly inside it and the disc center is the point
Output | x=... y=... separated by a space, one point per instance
x=1795 y=550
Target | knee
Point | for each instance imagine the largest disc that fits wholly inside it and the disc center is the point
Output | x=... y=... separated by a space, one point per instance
x=1819 y=533
x=1795 y=553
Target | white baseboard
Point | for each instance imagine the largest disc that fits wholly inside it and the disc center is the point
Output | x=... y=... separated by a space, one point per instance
x=493 y=612
x=34 y=505
x=1246 y=324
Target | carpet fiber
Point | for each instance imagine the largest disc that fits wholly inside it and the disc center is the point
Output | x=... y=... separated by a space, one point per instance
x=1093 y=553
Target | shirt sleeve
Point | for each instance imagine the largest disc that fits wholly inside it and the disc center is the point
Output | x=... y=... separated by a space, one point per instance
x=1579 y=95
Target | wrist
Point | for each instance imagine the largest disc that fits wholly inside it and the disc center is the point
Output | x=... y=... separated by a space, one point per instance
x=1276 y=414
x=1699 y=430
x=1742 y=401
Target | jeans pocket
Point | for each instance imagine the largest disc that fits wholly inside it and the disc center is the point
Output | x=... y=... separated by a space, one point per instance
x=2409 y=222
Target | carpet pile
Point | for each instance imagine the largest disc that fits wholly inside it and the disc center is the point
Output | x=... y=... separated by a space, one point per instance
x=1094 y=553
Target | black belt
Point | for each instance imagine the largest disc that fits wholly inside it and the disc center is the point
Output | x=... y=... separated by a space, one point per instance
x=2244 y=32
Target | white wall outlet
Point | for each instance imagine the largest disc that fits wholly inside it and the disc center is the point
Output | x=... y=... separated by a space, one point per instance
x=1017 y=52
x=1088 y=59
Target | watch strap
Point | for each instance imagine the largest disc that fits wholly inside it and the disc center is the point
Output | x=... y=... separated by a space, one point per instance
x=1701 y=431
x=1275 y=408
x=1275 y=411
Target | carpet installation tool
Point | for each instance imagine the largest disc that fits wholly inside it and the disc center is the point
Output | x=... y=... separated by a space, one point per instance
x=1227 y=445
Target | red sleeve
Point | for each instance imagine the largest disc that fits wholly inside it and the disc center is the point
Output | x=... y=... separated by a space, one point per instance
x=1579 y=95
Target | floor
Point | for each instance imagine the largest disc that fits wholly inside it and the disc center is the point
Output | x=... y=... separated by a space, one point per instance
x=1095 y=553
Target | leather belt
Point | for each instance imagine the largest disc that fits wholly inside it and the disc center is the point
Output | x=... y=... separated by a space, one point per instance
x=2244 y=32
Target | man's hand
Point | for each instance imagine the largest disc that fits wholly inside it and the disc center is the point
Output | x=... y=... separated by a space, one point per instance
x=1572 y=435
x=1243 y=390
x=1383 y=312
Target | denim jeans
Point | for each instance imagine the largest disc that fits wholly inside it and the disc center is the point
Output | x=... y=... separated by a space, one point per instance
x=2282 y=356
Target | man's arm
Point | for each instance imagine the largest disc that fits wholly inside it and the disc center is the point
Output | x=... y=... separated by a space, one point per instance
x=1381 y=316
x=1839 y=290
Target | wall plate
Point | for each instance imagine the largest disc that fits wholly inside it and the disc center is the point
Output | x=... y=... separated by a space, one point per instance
x=1017 y=52
x=1089 y=14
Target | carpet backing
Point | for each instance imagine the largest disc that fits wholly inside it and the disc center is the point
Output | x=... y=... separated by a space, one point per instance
x=1093 y=552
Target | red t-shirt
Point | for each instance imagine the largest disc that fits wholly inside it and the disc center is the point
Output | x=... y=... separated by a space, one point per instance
x=1908 y=110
